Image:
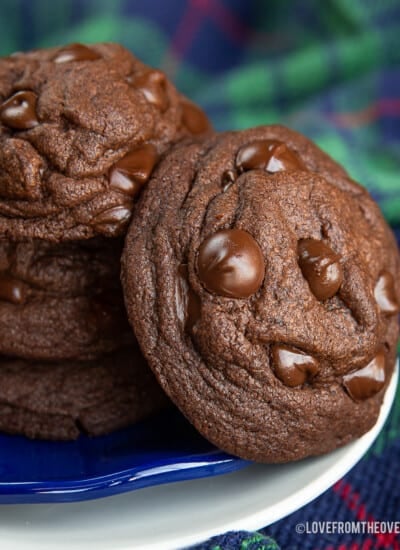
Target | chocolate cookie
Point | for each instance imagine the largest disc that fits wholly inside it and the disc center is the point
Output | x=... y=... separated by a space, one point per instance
x=61 y=301
x=62 y=400
x=262 y=285
x=81 y=128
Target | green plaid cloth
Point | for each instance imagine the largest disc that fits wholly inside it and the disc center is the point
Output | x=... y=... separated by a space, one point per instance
x=329 y=69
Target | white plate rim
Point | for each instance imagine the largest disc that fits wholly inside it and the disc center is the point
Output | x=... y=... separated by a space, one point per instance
x=356 y=450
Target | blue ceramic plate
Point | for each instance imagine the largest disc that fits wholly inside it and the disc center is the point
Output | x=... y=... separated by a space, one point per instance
x=161 y=450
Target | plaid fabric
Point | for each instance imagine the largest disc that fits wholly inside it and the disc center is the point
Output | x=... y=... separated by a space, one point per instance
x=329 y=69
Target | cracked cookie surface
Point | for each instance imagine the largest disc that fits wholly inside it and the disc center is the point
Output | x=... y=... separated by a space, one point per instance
x=81 y=128
x=261 y=282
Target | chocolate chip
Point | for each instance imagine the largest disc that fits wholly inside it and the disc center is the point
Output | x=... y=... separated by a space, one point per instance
x=188 y=304
x=112 y=220
x=12 y=290
x=75 y=52
x=193 y=118
x=19 y=111
x=366 y=382
x=270 y=155
x=228 y=177
x=153 y=85
x=231 y=263
x=385 y=294
x=130 y=173
x=321 y=267
x=293 y=367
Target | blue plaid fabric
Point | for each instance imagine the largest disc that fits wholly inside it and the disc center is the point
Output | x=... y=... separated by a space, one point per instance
x=329 y=69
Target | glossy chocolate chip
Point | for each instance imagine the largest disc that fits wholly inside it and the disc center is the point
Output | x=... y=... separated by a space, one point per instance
x=231 y=263
x=321 y=268
x=130 y=173
x=75 y=52
x=269 y=155
x=385 y=294
x=293 y=367
x=193 y=118
x=153 y=85
x=113 y=219
x=188 y=304
x=19 y=111
x=228 y=177
x=12 y=290
x=366 y=382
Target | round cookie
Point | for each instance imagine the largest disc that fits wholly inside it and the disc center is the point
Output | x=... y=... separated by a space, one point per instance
x=61 y=301
x=59 y=401
x=262 y=285
x=81 y=128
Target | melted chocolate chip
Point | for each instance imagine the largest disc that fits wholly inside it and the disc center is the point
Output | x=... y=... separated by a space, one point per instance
x=231 y=263
x=116 y=217
x=293 y=367
x=228 y=177
x=75 y=52
x=385 y=294
x=130 y=173
x=321 y=267
x=12 y=290
x=366 y=382
x=188 y=304
x=19 y=111
x=269 y=155
x=153 y=85
x=193 y=118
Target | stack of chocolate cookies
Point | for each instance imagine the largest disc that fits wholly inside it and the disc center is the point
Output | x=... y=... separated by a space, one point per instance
x=81 y=129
